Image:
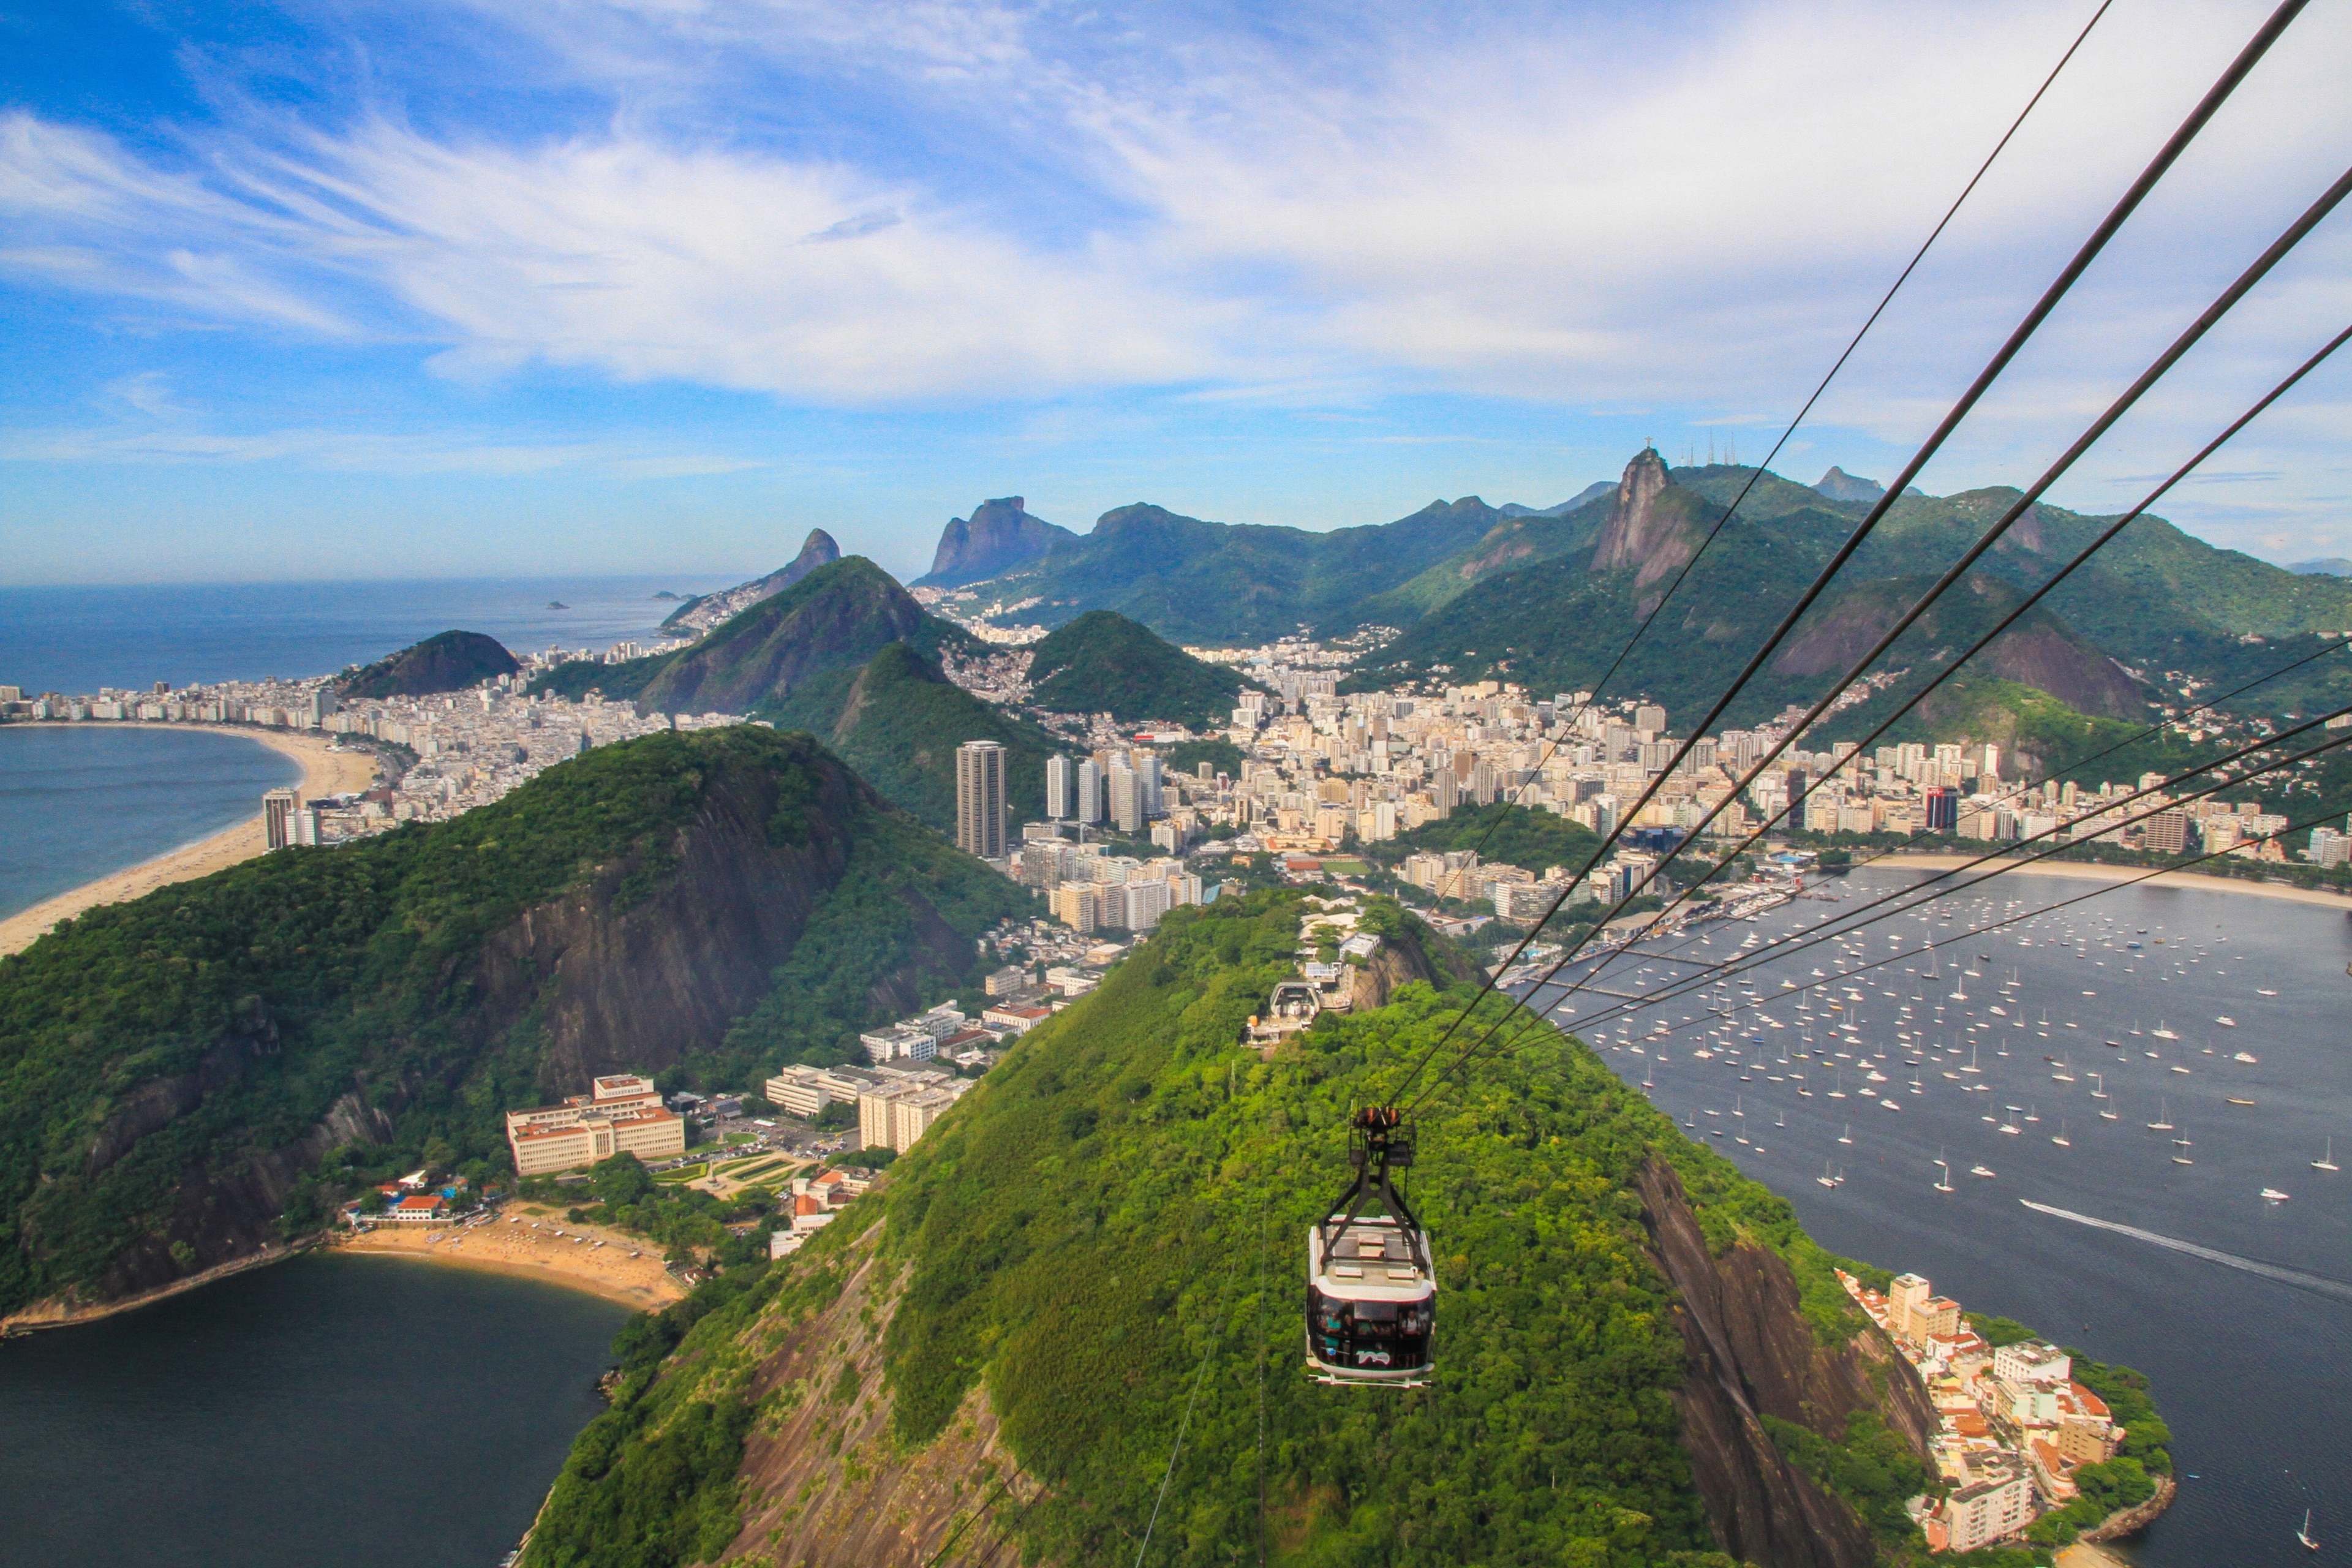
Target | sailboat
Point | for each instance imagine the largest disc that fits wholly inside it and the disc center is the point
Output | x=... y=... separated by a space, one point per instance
x=1826 y=1179
x=1944 y=1184
x=1847 y=1135
x=2326 y=1161
x=2305 y=1535
x=2161 y=1033
x=2064 y=1073
x=2183 y=1159
x=2164 y=1118
x=1972 y=1061
x=2062 y=1140
x=2100 y=1091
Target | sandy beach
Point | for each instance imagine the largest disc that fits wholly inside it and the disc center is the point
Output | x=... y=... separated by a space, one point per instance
x=323 y=773
x=537 y=1244
x=2093 y=873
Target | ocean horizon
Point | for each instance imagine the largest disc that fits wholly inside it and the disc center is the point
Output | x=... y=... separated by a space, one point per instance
x=76 y=638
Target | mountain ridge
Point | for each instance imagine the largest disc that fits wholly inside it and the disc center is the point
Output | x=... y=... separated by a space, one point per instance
x=705 y=610
x=998 y=536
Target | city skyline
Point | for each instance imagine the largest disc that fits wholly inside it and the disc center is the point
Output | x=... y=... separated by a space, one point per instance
x=301 y=294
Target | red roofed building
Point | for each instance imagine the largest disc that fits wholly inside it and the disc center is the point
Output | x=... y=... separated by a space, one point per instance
x=418 y=1209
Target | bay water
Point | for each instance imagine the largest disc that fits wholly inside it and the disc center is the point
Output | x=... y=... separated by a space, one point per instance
x=2248 y=1367
x=364 y=1412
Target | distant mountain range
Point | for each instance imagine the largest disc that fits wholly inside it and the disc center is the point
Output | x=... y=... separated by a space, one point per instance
x=2326 y=566
x=998 y=536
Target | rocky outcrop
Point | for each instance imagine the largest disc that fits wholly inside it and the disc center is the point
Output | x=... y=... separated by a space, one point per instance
x=1401 y=961
x=998 y=536
x=1652 y=526
x=1839 y=485
x=451 y=661
x=823 y=1484
x=1751 y=1353
x=701 y=614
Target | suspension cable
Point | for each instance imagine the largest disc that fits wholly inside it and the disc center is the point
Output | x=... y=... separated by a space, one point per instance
x=2157 y=168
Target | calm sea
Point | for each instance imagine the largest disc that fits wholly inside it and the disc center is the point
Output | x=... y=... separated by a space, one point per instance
x=77 y=639
x=365 y=1411
x=78 y=801
x=2249 y=1369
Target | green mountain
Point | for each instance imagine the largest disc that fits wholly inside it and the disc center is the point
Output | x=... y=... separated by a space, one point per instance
x=1558 y=624
x=898 y=721
x=704 y=611
x=193 y=1076
x=452 y=661
x=1502 y=833
x=836 y=618
x=1225 y=583
x=1104 y=663
x=1642 y=1359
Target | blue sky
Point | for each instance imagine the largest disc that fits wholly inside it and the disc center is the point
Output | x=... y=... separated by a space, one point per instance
x=359 y=289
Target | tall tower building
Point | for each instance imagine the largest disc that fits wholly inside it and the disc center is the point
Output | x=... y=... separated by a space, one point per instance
x=980 y=799
x=1090 y=791
x=277 y=811
x=1126 y=799
x=1061 y=778
x=1149 y=785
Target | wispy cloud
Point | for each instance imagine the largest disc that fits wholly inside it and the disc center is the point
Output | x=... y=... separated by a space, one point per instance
x=350 y=452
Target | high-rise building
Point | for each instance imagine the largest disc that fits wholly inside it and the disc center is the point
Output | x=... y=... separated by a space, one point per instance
x=277 y=811
x=1090 y=791
x=1649 y=716
x=1061 y=778
x=1943 y=809
x=1126 y=799
x=980 y=799
x=1147 y=784
x=2167 y=833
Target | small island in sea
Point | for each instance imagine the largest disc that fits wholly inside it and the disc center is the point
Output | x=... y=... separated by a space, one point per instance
x=557 y=604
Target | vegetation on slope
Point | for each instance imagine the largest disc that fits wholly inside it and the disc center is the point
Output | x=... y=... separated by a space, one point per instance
x=836 y=618
x=898 y=721
x=448 y=661
x=1533 y=840
x=1227 y=584
x=1104 y=663
x=250 y=1001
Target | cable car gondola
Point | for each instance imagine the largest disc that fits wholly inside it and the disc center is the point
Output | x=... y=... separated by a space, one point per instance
x=1371 y=1288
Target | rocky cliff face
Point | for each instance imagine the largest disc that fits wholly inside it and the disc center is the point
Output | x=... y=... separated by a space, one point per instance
x=998 y=536
x=1403 y=959
x=1839 y=485
x=1751 y=1353
x=699 y=614
x=1652 y=527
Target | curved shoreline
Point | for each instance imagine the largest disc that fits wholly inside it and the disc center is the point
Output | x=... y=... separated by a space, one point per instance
x=527 y=1251
x=2095 y=871
x=324 y=771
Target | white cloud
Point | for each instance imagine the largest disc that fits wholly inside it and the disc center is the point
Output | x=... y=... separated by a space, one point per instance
x=1596 y=208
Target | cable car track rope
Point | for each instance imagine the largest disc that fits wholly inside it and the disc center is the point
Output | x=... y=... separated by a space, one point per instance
x=2174 y=146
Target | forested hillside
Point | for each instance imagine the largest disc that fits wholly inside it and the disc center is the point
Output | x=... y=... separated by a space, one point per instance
x=194 y=1074
x=898 y=721
x=999 y=1347
x=1104 y=663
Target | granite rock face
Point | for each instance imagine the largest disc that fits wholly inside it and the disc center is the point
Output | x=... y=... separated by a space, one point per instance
x=998 y=536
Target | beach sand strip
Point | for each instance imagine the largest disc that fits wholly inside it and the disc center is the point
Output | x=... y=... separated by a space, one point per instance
x=538 y=1245
x=324 y=772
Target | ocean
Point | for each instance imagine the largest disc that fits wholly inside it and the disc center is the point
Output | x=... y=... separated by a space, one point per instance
x=2248 y=1367
x=365 y=1411
x=78 y=639
x=78 y=801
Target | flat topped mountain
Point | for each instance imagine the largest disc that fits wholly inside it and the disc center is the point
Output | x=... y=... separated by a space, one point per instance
x=1104 y=663
x=998 y=536
x=450 y=661
x=702 y=612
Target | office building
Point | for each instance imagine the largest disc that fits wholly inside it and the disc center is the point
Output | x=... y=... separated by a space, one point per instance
x=1090 y=792
x=1943 y=809
x=1061 y=786
x=980 y=799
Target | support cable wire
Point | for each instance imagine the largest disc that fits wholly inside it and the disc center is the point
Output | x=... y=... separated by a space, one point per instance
x=2157 y=167
x=1865 y=915
x=1181 y=1427
x=1710 y=971
x=1974 y=931
x=1795 y=423
x=2277 y=251
x=1954 y=667
x=954 y=1536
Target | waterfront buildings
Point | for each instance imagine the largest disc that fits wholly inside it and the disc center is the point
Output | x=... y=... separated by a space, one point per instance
x=621 y=1114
